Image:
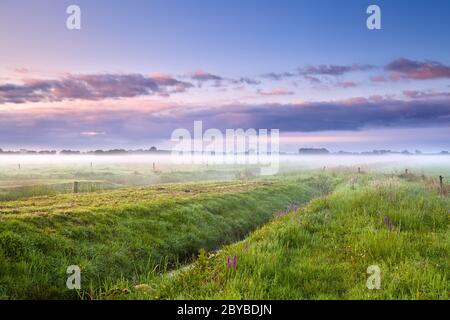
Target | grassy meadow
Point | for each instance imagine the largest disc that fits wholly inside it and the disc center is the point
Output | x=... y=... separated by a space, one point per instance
x=140 y=232
x=322 y=251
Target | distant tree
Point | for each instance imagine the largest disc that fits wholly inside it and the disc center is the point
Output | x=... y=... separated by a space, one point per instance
x=313 y=151
x=153 y=149
x=117 y=151
x=69 y=152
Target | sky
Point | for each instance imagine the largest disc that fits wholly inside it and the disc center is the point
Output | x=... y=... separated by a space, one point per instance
x=137 y=70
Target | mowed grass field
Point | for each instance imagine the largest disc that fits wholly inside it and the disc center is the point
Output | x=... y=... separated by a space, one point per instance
x=308 y=235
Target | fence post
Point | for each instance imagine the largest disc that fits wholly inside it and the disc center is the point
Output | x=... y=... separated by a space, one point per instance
x=75 y=187
x=406 y=171
x=441 y=182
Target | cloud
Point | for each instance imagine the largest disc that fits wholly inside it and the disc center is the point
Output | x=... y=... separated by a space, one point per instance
x=21 y=70
x=346 y=84
x=246 y=80
x=320 y=74
x=275 y=92
x=277 y=76
x=134 y=126
x=340 y=115
x=414 y=94
x=377 y=98
x=333 y=70
x=202 y=76
x=313 y=80
x=90 y=87
x=219 y=81
x=417 y=70
x=308 y=72
x=378 y=79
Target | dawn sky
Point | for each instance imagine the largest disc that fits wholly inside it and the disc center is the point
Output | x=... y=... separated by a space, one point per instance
x=137 y=70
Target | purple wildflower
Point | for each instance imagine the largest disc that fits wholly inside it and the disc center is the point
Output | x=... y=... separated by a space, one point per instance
x=389 y=224
x=234 y=264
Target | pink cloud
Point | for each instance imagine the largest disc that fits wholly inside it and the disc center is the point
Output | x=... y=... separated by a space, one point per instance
x=376 y=98
x=417 y=70
x=346 y=84
x=275 y=92
x=354 y=101
x=201 y=75
x=414 y=94
x=21 y=70
x=378 y=79
x=90 y=87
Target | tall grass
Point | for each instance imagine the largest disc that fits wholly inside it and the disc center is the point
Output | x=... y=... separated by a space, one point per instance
x=323 y=250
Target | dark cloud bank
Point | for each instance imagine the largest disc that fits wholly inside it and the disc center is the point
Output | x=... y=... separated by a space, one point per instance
x=134 y=126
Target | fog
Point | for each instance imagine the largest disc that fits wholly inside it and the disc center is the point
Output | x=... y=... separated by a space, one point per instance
x=284 y=161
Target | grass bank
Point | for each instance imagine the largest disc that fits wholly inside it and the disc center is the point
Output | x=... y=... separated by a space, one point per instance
x=323 y=251
x=119 y=234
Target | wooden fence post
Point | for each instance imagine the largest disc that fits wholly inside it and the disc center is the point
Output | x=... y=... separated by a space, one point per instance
x=441 y=183
x=75 y=187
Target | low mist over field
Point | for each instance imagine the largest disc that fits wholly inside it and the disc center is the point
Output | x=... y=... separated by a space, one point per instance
x=174 y=162
x=40 y=173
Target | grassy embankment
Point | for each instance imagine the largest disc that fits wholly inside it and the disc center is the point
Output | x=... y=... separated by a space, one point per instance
x=118 y=234
x=323 y=250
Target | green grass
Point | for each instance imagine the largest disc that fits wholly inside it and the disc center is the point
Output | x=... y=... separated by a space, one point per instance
x=144 y=242
x=48 y=188
x=117 y=234
x=34 y=179
x=323 y=250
